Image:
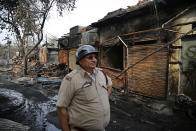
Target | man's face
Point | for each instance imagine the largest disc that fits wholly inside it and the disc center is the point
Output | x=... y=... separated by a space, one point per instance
x=89 y=62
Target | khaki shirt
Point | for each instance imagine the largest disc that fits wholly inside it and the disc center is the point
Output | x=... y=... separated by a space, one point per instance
x=86 y=99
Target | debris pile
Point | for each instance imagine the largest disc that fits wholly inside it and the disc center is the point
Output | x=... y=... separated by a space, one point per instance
x=46 y=74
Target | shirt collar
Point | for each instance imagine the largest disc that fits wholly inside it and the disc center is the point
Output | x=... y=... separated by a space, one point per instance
x=83 y=72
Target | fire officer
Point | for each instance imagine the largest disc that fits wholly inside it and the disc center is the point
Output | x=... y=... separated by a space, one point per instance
x=83 y=102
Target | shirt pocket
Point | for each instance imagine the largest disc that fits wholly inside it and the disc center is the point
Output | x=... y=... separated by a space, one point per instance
x=90 y=93
x=104 y=89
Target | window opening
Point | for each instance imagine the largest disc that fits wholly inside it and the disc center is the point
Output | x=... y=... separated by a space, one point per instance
x=112 y=57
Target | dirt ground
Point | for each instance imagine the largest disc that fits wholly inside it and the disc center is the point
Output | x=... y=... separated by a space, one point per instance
x=36 y=109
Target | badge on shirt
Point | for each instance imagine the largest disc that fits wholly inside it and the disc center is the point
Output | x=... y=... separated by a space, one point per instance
x=68 y=77
x=86 y=84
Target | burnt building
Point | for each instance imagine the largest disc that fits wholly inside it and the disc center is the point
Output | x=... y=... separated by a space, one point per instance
x=69 y=43
x=145 y=48
x=136 y=50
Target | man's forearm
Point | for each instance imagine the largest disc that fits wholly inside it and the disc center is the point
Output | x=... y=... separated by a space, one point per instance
x=63 y=118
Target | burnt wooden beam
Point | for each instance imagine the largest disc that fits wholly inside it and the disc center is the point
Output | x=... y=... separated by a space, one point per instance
x=113 y=69
x=175 y=62
x=186 y=23
x=176 y=47
x=140 y=39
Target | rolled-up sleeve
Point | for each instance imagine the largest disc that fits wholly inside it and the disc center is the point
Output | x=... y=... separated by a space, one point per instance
x=65 y=94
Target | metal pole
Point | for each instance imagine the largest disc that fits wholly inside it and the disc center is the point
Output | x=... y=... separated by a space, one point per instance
x=126 y=63
x=126 y=50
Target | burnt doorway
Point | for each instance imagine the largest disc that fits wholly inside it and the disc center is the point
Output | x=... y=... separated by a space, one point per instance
x=112 y=57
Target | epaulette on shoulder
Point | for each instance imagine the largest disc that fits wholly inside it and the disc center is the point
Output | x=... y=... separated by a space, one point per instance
x=70 y=75
x=100 y=69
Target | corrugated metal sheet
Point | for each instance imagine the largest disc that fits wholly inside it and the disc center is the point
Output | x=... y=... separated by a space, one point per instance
x=148 y=78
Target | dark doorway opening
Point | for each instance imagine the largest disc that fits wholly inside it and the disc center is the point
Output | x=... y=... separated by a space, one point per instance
x=112 y=57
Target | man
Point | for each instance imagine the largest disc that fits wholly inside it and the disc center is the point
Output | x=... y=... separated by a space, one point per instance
x=83 y=102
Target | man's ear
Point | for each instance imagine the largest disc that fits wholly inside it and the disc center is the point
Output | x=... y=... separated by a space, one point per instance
x=79 y=62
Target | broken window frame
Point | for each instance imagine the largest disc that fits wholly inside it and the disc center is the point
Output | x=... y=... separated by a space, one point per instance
x=109 y=58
